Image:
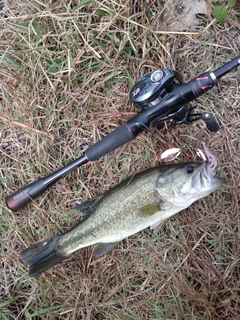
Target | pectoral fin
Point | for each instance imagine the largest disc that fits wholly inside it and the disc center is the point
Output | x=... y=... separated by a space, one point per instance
x=102 y=248
x=150 y=209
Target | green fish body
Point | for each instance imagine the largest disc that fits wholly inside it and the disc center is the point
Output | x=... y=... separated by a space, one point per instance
x=143 y=200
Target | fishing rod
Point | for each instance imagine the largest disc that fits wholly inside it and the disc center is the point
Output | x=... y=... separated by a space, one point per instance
x=162 y=96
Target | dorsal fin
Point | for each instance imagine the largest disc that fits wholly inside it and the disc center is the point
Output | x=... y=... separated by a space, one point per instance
x=87 y=206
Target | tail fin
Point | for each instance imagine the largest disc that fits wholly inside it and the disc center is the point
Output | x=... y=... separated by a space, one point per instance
x=41 y=256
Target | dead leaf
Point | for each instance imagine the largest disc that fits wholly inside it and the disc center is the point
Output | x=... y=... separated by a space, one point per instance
x=181 y=15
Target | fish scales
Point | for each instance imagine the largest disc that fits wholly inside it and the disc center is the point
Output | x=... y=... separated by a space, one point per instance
x=120 y=207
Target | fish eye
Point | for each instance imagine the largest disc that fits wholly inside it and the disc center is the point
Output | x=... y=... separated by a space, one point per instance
x=189 y=169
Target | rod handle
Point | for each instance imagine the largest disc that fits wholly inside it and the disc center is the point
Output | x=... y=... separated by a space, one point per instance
x=22 y=197
x=113 y=140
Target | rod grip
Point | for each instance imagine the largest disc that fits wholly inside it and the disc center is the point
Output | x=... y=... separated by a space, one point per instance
x=113 y=140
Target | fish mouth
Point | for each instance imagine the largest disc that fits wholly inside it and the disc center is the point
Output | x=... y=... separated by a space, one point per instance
x=206 y=179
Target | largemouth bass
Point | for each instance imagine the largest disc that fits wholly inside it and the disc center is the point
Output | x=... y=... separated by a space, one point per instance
x=143 y=200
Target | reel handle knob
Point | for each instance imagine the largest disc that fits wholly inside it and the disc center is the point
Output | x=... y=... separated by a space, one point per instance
x=210 y=121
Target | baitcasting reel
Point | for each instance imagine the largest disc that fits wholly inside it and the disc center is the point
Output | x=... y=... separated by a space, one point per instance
x=150 y=89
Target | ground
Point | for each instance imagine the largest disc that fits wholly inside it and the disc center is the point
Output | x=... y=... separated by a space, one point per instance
x=66 y=70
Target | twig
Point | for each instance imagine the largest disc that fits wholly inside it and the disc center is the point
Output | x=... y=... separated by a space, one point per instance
x=25 y=126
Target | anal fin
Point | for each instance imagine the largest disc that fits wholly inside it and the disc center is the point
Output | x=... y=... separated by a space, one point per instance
x=102 y=248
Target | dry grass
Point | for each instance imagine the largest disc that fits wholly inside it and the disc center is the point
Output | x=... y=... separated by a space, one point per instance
x=66 y=69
